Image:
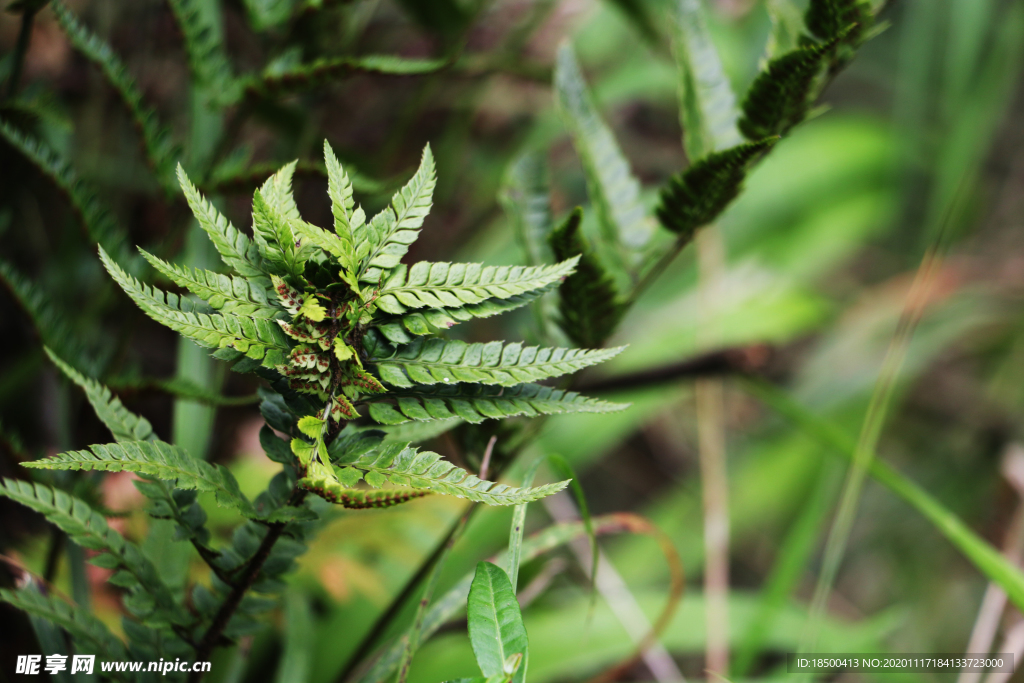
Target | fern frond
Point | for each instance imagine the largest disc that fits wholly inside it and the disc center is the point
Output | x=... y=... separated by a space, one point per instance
x=223 y=293
x=454 y=285
x=235 y=248
x=359 y=499
x=347 y=217
x=273 y=232
x=94 y=217
x=829 y=19
x=476 y=403
x=381 y=243
x=87 y=528
x=123 y=424
x=707 y=111
x=699 y=194
x=205 y=48
x=89 y=633
x=401 y=465
x=158 y=460
x=437 y=361
x=156 y=139
x=611 y=186
x=524 y=196
x=50 y=325
x=259 y=339
x=301 y=77
x=779 y=97
x=589 y=306
x=431 y=321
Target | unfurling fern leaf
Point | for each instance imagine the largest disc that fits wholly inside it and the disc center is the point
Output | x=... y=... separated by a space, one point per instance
x=589 y=303
x=780 y=96
x=156 y=139
x=698 y=195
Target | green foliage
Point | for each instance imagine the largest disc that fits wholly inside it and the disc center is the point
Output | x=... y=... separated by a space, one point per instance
x=707 y=108
x=496 y=627
x=846 y=20
x=156 y=139
x=780 y=96
x=94 y=217
x=204 y=46
x=699 y=194
x=524 y=197
x=435 y=361
x=589 y=301
x=400 y=465
x=476 y=403
x=224 y=293
x=275 y=82
x=155 y=459
x=610 y=182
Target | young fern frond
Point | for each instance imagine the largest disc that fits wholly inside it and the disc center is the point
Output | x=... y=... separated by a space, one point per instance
x=611 y=185
x=698 y=195
x=258 y=338
x=589 y=303
x=88 y=529
x=158 y=460
x=156 y=139
x=381 y=243
x=476 y=403
x=438 y=361
x=235 y=248
x=94 y=217
x=401 y=465
x=301 y=77
x=454 y=285
x=780 y=96
x=223 y=293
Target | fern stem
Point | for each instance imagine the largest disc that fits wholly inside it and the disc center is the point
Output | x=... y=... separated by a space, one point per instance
x=245 y=581
x=20 y=50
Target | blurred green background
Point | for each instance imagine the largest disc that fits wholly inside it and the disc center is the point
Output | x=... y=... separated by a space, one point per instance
x=818 y=256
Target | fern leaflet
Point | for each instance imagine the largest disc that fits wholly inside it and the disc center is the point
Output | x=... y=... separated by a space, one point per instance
x=300 y=77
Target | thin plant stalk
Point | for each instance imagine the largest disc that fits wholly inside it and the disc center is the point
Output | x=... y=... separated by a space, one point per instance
x=710 y=411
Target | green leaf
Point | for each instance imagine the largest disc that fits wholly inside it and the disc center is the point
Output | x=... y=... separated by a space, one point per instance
x=87 y=528
x=155 y=459
x=780 y=96
x=381 y=243
x=51 y=325
x=524 y=196
x=205 y=47
x=235 y=248
x=311 y=426
x=156 y=139
x=272 y=221
x=94 y=217
x=224 y=293
x=981 y=554
x=434 y=361
x=707 y=108
x=476 y=403
x=401 y=465
x=301 y=77
x=496 y=627
x=123 y=424
x=589 y=304
x=697 y=196
x=451 y=286
x=89 y=633
x=612 y=188
x=257 y=338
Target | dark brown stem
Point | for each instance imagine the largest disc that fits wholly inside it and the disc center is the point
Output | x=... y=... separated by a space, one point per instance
x=741 y=360
x=245 y=581
x=57 y=538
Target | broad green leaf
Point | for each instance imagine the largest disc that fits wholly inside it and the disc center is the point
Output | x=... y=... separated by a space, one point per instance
x=496 y=627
